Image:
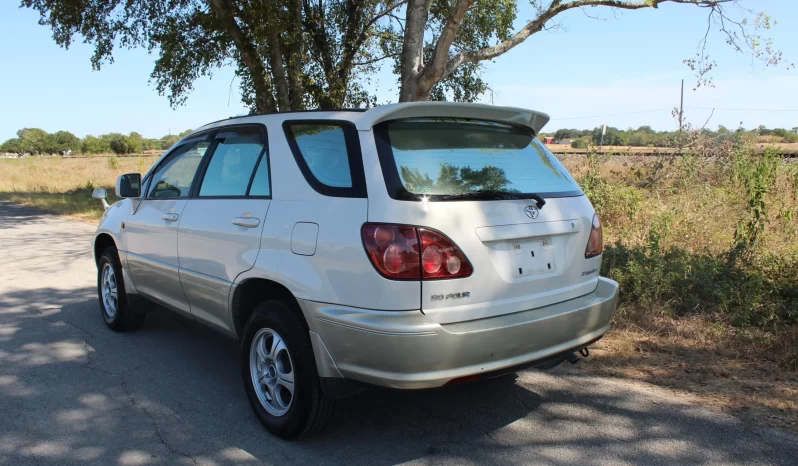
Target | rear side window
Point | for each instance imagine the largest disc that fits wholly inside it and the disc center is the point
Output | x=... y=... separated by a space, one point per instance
x=240 y=156
x=328 y=154
x=450 y=159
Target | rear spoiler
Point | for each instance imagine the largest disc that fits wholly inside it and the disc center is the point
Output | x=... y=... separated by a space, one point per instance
x=519 y=116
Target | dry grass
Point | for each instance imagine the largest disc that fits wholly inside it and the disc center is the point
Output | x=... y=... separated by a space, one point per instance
x=732 y=369
x=63 y=185
x=60 y=175
x=790 y=148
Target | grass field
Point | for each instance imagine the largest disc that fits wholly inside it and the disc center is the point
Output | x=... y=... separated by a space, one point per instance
x=705 y=250
x=64 y=185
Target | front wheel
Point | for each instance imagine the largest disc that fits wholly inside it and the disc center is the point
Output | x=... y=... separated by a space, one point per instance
x=280 y=375
x=111 y=291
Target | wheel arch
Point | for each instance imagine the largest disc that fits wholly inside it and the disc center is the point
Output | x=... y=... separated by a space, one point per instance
x=253 y=291
x=102 y=242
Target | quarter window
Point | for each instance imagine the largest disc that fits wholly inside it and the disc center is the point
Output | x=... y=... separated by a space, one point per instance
x=174 y=178
x=232 y=168
x=324 y=151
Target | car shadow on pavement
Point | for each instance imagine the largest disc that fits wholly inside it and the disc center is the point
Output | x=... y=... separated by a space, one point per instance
x=171 y=393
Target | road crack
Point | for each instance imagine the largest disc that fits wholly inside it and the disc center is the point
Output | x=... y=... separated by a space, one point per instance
x=169 y=447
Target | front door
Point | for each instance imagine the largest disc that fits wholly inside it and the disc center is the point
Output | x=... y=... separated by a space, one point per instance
x=151 y=231
x=220 y=229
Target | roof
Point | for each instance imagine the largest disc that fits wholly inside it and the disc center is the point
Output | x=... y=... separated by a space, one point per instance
x=365 y=119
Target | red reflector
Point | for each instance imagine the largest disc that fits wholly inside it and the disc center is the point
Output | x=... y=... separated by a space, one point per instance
x=468 y=378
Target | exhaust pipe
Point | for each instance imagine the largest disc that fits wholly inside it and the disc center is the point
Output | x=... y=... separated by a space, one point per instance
x=572 y=358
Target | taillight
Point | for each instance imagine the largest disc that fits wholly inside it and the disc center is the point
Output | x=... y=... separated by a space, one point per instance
x=595 y=242
x=396 y=253
x=440 y=257
x=393 y=249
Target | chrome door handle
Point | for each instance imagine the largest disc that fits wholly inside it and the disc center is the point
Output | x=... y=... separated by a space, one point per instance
x=246 y=222
x=170 y=217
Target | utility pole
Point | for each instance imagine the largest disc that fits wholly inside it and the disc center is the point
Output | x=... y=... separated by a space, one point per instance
x=681 y=116
x=681 y=107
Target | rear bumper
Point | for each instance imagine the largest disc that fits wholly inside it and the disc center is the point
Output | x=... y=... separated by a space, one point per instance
x=404 y=349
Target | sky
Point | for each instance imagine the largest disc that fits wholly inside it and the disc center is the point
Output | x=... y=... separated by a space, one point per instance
x=598 y=67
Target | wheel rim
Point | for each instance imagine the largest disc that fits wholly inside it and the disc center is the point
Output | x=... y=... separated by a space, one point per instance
x=272 y=371
x=110 y=291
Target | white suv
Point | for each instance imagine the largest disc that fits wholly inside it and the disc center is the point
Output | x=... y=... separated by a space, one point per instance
x=408 y=246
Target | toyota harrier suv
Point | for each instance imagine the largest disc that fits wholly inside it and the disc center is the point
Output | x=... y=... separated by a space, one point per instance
x=408 y=246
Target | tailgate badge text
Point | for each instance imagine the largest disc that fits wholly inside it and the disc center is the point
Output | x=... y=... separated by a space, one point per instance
x=442 y=297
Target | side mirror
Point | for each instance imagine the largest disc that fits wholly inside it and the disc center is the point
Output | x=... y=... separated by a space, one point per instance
x=128 y=185
x=100 y=194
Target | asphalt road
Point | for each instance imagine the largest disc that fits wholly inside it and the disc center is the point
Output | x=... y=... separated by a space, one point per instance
x=74 y=392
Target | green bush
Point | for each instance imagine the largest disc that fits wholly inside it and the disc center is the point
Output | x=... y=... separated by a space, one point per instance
x=579 y=144
x=677 y=282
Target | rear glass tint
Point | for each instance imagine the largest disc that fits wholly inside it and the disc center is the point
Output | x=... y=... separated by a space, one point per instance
x=446 y=156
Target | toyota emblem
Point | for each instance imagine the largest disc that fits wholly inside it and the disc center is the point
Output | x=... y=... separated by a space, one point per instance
x=531 y=211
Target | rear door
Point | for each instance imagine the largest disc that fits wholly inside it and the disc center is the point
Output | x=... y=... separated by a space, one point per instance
x=475 y=182
x=220 y=229
x=151 y=231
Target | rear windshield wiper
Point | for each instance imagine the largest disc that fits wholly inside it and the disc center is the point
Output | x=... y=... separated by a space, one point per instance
x=490 y=195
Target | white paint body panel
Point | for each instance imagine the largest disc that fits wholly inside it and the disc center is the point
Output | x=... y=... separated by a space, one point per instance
x=213 y=251
x=152 y=252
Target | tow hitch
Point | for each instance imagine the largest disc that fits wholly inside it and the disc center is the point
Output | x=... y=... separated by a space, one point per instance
x=573 y=358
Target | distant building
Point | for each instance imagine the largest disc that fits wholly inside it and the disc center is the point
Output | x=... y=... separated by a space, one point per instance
x=549 y=140
x=566 y=141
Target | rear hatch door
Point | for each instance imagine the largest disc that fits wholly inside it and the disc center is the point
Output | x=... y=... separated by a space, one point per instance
x=480 y=183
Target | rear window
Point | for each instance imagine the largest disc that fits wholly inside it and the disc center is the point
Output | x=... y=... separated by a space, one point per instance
x=431 y=157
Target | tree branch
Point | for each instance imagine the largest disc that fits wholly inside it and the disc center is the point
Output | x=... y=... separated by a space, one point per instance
x=375 y=60
x=437 y=65
x=249 y=55
x=556 y=7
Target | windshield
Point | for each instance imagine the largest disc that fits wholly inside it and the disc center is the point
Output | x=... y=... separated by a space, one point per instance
x=450 y=157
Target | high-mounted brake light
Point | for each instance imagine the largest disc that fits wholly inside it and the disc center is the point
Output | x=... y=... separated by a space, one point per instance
x=402 y=252
x=595 y=242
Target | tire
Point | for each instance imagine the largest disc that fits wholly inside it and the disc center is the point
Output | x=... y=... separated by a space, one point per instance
x=308 y=410
x=119 y=316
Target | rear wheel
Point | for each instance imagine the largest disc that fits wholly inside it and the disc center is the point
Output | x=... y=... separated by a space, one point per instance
x=280 y=375
x=111 y=291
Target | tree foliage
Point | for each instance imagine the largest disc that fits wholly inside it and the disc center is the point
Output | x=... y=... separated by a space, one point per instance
x=35 y=141
x=297 y=54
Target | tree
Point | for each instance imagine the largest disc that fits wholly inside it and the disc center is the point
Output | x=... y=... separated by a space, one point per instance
x=13 y=146
x=36 y=141
x=168 y=141
x=94 y=145
x=296 y=54
x=66 y=141
x=121 y=144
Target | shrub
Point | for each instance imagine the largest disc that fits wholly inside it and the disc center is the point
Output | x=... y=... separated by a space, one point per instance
x=579 y=144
